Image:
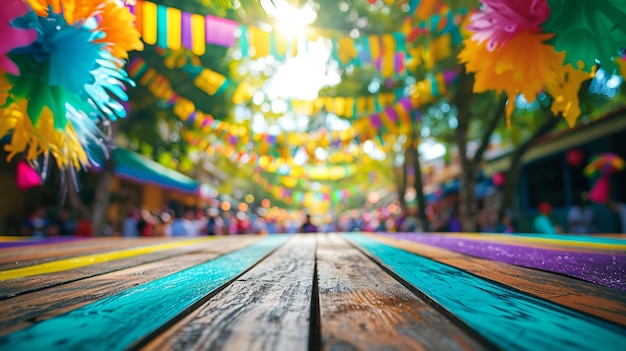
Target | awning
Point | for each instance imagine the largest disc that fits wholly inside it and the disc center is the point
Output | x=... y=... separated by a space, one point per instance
x=133 y=166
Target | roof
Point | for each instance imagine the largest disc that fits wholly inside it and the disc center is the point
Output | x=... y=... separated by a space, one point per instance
x=133 y=166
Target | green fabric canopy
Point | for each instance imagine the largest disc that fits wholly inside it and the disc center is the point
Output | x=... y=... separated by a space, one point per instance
x=131 y=165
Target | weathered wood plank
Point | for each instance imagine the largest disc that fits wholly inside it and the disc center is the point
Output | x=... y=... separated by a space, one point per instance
x=363 y=308
x=587 y=297
x=268 y=308
x=87 y=266
x=21 y=257
x=22 y=311
x=119 y=321
x=510 y=319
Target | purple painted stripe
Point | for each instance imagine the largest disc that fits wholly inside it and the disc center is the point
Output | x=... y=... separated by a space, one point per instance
x=31 y=241
x=186 y=30
x=606 y=269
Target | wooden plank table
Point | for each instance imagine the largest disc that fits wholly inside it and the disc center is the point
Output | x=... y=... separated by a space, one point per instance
x=315 y=291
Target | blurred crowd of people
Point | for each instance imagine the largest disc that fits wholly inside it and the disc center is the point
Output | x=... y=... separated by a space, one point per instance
x=142 y=222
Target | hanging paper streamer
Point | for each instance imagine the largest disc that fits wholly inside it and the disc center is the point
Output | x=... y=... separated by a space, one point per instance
x=71 y=77
x=396 y=117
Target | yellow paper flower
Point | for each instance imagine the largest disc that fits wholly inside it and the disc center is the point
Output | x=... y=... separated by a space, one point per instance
x=42 y=139
x=521 y=66
x=621 y=63
x=564 y=91
x=5 y=86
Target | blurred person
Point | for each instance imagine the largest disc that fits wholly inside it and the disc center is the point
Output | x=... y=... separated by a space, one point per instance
x=308 y=226
x=199 y=223
x=506 y=225
x=243 y=224
x=145 y=224
x=580 y=218
x=543 y=223
x=129 y=226
x=182 y=225
x=84 y=228
x=226 y=227
x=454 y=223
x=37 y=223
x=67 y=225
x=620 y=211
x=211 y=223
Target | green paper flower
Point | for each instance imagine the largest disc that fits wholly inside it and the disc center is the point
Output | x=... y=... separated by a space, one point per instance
x=588 y=31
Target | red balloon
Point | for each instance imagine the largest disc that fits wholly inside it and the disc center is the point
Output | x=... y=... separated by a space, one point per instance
x=575 y=158
x=498 y=179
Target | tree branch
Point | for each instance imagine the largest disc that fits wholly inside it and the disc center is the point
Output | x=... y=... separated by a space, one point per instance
x=491 y=127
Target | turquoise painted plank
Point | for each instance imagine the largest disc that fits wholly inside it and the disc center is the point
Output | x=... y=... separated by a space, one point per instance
x=119 y=321
x=510 y=319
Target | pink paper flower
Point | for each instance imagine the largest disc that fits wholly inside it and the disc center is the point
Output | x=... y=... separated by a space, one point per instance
x=12 y=37
x=500 y=20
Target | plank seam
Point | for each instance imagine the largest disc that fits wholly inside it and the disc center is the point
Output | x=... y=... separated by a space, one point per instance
x=187 y=311
x=511 y=287
x=426 y=298
x=52 y=285
x=315 y=324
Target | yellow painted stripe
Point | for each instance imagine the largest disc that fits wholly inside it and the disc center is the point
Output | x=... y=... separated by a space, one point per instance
x=174 y=22
x=13 y=238
x=198 y=42
x=149 y=23
x=88 y=260
x=515 y=238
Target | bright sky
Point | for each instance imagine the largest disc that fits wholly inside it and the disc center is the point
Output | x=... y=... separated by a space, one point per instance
x=302 y=76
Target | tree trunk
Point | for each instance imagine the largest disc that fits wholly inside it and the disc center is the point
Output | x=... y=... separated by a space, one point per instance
x=512 y=175
x=419 y=189
x=401 y=181
x=413 y=155
x=74 y=202
x=102 y=197
x=468 y=208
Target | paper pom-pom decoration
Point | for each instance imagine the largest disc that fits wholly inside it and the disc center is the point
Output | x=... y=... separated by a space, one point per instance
x=587 y=31
x=520 y=66
x=499 y=21
x=26 y=177
x=71 y=78
x=564 y=91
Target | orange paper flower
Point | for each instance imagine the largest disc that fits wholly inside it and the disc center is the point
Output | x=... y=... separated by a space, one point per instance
x=121 y=35
x=521 y=66
x=115 y=21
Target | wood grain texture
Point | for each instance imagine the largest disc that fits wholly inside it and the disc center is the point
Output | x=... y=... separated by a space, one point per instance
x=267 y=308
x=577 y=294
x=119 y=321
x=24 y=285
x=508 y=318
x=363 y=308
x=12 y=258
x=22 y=311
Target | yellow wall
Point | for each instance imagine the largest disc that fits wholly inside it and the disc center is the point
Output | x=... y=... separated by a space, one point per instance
x=153 y=197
